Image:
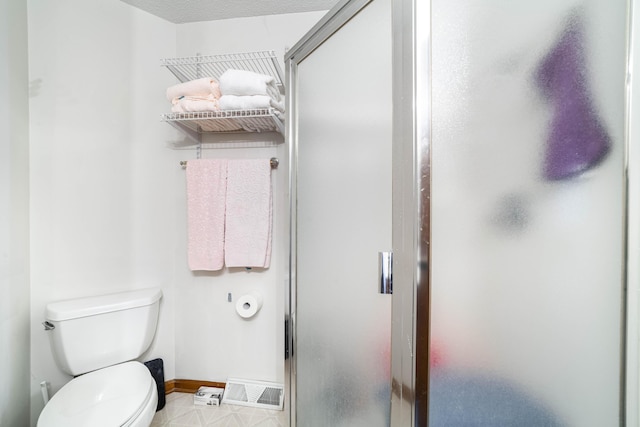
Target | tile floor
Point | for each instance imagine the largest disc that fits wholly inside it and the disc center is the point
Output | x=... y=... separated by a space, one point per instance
x=180 y=411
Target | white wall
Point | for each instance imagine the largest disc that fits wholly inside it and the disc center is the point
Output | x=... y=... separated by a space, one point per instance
x=108 y=209
x=102 y=179
x=212 y=341
x=14 y=214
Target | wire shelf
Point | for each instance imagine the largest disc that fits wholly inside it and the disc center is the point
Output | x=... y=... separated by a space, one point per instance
x=195 y=67
x=260 y=120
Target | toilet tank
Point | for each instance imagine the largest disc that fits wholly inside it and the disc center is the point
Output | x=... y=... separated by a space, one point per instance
x=95 y=332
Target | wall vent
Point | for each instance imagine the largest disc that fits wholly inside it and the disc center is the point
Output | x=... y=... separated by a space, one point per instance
x=259 y=394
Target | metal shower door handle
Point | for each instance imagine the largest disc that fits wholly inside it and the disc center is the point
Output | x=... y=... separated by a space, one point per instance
x=385 y=272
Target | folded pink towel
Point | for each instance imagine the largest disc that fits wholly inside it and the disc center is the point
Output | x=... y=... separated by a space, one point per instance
x=203 y=86
x=206 y=194
x=248 y=214
x=194 y=103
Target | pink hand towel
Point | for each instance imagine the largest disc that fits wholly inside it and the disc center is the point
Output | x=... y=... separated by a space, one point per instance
x=249 y=214
x=206 y=194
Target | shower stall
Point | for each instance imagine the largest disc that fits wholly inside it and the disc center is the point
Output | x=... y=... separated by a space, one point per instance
x=489 y=149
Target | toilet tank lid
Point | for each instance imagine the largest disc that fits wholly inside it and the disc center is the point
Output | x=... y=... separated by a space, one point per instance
x=91 y=306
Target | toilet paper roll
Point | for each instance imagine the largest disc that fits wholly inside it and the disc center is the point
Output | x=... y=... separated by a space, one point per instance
x=248 y=305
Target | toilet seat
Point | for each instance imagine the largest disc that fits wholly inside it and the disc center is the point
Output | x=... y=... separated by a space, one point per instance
x=109 y=397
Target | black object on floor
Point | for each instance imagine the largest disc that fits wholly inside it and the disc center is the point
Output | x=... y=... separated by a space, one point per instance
x=156 y=367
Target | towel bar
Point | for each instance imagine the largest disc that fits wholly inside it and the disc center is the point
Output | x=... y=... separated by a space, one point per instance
x=274 y=163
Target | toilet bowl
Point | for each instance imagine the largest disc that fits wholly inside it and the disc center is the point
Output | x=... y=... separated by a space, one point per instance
x=117 y=396
x=97 y=339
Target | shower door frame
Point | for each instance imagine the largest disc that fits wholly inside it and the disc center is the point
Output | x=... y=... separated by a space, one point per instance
x=411 y=228
x=335 y=19
x=411 y=51
x=631 y=365
x=410 y=224
x=328 y=25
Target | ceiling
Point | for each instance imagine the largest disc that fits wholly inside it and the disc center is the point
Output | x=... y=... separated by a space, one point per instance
x=182 y=11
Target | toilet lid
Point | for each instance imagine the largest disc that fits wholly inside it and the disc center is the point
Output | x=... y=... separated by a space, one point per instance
x=105 y=398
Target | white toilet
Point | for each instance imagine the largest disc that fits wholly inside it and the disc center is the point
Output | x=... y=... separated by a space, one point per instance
x=98 y=339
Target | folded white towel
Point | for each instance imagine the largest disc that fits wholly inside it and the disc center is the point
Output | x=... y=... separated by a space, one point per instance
x=204 y=86
x=242 y=83
x=249 y=102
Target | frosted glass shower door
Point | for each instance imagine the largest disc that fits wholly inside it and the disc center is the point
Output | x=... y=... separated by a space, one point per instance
x=343 y=96
x=527 y=211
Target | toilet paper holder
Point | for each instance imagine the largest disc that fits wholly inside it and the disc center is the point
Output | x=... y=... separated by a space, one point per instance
x=248 y=305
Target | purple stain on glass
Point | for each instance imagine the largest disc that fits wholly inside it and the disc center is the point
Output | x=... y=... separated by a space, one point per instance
x=577 y=140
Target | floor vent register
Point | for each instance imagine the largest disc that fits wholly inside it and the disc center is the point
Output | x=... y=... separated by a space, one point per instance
x=259 y=394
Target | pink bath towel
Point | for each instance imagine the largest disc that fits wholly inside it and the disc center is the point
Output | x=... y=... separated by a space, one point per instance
x=248 y=214
x=206 y=194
